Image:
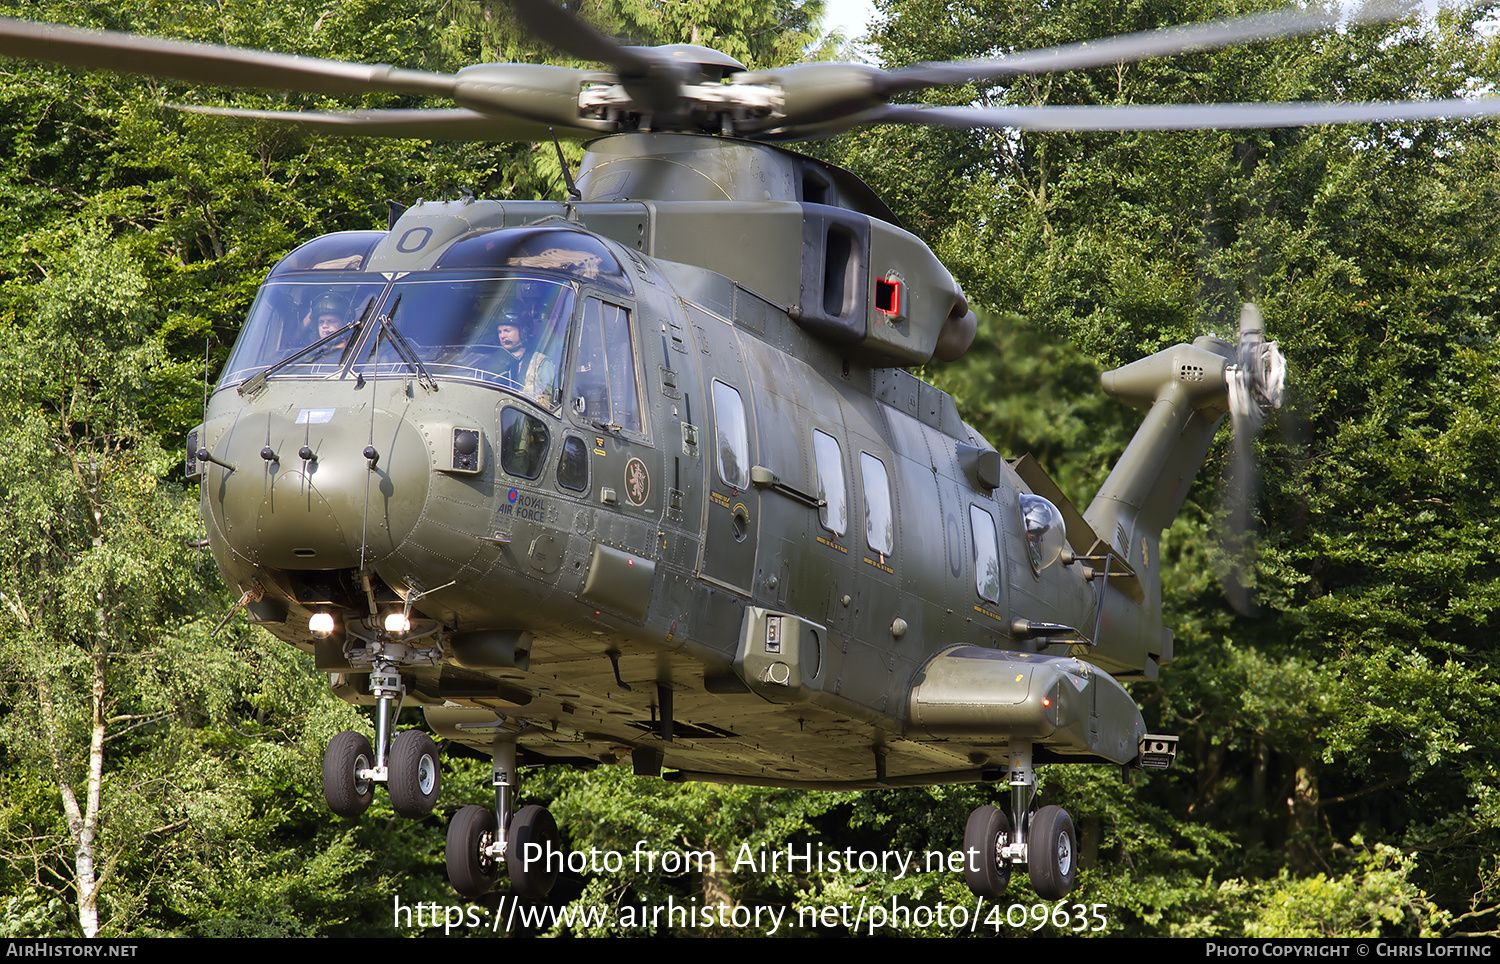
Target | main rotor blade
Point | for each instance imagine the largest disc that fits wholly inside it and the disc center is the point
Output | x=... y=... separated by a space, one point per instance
x=553 y=25
x=652 y=82
x=454 y=124
x=821 y=98
x=1179 y=117
x=1140 y=46
x=209 y=64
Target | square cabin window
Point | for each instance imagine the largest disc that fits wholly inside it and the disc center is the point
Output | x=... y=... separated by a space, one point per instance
x=834 y=514
x=986 y=554
x=733 y=436
x=880 y=524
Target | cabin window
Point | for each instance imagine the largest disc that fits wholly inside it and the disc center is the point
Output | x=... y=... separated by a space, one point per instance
x=734 y=436
x=573 y=464
x=606 y=390
x=523 y=443
x=880 y=523
x=834 y=514
x=986 y=554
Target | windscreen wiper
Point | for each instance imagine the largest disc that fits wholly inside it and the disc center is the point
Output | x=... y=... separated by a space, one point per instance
x=403 y=348
x=256 y=382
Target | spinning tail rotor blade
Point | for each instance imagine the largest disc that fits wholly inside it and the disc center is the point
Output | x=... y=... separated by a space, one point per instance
x=1255 y=386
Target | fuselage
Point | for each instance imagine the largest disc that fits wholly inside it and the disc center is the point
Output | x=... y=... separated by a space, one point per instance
x=692 y=499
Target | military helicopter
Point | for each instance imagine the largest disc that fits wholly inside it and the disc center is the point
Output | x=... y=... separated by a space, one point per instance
x=641 y=474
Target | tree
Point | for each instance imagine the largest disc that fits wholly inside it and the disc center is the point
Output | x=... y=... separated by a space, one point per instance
x=90 y=540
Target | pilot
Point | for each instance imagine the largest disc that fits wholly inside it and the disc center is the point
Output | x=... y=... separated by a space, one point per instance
x=518 y=363
x=328 y=315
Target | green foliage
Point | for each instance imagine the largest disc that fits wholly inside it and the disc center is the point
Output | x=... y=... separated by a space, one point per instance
x=1375 y=900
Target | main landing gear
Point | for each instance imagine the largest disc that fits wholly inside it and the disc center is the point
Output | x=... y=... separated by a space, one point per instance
x=1044 y=840
x=407 y=764
x=525 y=842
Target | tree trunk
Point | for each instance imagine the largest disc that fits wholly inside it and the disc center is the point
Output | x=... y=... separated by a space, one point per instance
x=83 y=823
x=1302 y=822
x=1260 y=765
x=716 y=883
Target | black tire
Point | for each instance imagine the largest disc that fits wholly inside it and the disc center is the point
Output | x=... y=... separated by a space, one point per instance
x=347 y=795
x=533 y=824
x=415 y=775
x=985 y=872
x=1052 y=853
x=471 y=871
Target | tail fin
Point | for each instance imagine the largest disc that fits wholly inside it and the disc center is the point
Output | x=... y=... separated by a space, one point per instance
x=1185 y=392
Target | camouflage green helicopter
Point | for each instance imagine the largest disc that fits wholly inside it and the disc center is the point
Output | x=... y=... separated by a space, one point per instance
x=641 y=475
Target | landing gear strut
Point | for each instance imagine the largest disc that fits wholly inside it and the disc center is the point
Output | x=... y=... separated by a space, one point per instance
x=526 y=842
x=1044 y=840
x=407 y=764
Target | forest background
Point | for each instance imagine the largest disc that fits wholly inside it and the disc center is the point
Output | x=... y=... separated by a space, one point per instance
x=1340 y=767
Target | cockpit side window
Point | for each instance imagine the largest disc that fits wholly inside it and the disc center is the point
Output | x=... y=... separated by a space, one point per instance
x=606 y=387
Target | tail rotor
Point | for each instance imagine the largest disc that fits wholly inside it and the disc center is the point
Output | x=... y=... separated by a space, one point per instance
x=1255 y=382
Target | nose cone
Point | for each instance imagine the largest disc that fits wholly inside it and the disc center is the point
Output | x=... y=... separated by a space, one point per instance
x=319 y=512
x=296 y=528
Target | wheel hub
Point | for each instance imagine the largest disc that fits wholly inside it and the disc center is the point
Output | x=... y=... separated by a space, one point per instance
x=1064 y=854
x=487 y=862
x=361 y=765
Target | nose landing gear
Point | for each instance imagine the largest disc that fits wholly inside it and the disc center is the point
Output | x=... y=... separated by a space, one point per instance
x=526 y=841
x=407 y=764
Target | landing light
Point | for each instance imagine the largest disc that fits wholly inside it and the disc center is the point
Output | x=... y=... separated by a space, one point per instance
x=321 y=625
x=397 y=623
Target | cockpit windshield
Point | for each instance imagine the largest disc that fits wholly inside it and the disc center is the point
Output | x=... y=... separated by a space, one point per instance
x=507 y=331
x=496 y=309
x=295 y=312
